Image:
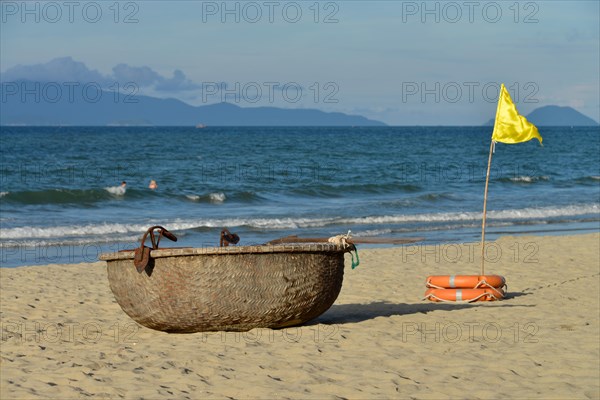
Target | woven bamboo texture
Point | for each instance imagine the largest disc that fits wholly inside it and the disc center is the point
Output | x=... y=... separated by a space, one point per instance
x=231 y=289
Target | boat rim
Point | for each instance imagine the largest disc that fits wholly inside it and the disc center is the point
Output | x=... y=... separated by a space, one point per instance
x=258 y=249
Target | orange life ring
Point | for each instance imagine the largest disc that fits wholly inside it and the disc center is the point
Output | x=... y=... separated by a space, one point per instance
x=468 y=295
x=465 y=281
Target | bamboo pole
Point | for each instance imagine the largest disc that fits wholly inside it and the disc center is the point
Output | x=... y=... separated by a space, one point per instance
x=487 y=181
x=485 y=193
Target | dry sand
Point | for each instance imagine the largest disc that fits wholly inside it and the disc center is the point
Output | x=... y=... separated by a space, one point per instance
x=64 y=336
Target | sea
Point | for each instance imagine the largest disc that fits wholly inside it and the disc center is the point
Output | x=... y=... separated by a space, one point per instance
x=61 y=199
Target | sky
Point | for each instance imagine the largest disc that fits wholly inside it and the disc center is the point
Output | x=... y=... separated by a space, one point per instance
x=400 y=62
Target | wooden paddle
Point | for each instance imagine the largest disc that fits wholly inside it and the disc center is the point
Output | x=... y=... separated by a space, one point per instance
x=352 y=240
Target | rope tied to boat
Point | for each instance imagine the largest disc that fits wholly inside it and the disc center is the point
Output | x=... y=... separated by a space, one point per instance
x=343 y=241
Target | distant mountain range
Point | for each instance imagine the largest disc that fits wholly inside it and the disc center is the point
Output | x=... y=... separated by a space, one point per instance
x=75 y=106
x=54 y=104
x=556 y=116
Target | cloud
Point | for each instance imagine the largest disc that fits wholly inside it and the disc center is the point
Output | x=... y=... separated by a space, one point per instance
x=141 y=76
x=65 y=69
x=177 y=83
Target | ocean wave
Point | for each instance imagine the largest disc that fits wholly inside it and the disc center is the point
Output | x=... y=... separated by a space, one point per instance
x=71 y=231
x=217 y=197
x=60 y=196
x=372 y=232
x=109 y=230
x=525 y=179
x=116 y=190
x=547 y=212
x=111 y=193
x=514 y=214
x=438 y=197
x=591 y=179
x=328 y=191
x=220 y=197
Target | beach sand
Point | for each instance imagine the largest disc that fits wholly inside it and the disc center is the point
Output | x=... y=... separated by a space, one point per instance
x=64 y=336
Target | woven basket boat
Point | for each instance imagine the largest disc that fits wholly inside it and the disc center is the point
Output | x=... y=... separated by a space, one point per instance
x=228 y=288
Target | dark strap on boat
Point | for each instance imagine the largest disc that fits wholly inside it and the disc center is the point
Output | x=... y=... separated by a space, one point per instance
x=142 y=258
x=228 y=238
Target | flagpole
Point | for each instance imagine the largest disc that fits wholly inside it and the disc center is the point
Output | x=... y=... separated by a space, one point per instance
x=485 y=193
x=487 y=181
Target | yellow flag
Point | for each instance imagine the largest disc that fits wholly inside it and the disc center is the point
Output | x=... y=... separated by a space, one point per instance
x=511 y=127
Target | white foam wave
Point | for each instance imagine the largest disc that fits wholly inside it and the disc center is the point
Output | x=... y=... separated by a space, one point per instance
x=2 y=194
x=217 y=197
x=529 y=179
x=525 y=213
x=110 y=230
x=72 y=231
x=547 y=212
x=372 y=232
x=116 y=190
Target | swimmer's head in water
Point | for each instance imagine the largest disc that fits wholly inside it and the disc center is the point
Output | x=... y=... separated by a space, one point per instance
x=123 y=183
x=152 y=184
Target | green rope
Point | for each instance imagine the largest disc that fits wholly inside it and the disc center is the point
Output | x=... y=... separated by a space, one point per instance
x=357 y=262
